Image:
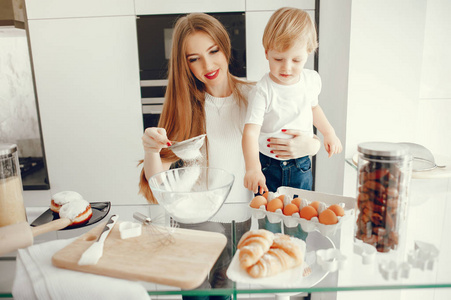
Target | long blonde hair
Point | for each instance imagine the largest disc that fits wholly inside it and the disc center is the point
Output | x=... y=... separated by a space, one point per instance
x=183 y=114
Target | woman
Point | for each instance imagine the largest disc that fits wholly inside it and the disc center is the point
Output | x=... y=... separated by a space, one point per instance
x=203 y=97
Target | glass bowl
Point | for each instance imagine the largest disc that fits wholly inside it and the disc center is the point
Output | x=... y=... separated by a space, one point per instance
x=193 y=194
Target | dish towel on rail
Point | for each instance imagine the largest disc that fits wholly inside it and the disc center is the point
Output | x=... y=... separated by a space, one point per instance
x=37 y=278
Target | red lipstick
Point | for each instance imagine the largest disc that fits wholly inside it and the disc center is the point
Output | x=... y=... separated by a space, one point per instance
x=212 y=75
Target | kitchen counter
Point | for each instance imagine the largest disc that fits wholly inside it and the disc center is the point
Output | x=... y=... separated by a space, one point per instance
x=435 y=275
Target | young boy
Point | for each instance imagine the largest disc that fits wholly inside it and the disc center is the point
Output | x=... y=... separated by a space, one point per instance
x=284 y=99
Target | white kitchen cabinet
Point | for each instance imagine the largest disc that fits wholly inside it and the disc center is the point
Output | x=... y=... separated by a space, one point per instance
x=256 y=63
x=146 y=7
x=49 y=9
x=87 y=85
x=261 y=5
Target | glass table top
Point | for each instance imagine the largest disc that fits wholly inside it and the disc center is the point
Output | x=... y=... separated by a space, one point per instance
x=336 y=261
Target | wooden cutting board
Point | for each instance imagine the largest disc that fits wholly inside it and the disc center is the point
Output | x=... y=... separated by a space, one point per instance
x=184 y=262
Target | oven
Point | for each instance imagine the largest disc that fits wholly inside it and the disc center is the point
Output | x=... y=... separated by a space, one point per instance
x=154 y=34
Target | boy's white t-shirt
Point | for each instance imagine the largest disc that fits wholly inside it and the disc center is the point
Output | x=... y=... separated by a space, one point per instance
x=276 y=107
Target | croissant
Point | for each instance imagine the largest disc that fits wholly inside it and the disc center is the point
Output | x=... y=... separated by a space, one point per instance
x=284 y=254
x=252 y=245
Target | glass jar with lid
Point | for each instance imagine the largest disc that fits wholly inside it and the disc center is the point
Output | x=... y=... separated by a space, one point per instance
x=12 y=209
x=383 y=176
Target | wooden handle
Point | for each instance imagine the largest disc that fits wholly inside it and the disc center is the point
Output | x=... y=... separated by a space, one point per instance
x=15 y=237
x=51 y=226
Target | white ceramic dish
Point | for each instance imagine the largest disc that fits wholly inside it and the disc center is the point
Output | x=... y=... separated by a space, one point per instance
x=291 y=278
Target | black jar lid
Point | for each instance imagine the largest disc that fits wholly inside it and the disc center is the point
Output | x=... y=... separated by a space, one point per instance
x=383 y=149
x=6 y=150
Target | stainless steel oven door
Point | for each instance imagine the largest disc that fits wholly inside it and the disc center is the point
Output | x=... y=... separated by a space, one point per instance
x=152 y=99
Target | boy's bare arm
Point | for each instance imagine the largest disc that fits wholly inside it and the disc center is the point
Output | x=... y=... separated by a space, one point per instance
x=254 y=178
x=331 y=141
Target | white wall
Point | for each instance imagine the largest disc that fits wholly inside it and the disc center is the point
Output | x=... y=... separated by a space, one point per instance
x=384 y=71
x=436 y=67
x=435 y=86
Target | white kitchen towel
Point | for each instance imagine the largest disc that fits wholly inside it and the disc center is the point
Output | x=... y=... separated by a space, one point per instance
x=37 y=278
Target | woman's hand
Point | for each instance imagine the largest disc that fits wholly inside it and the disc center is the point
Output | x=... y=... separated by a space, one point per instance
x=154 y=139
x=332 y=144
x=299 y=145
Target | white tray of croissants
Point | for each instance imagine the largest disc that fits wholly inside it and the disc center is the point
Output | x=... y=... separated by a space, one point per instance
x=271 y=259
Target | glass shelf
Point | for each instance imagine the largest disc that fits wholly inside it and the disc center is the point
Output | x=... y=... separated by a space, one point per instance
x=354 y=271
x=352 y=277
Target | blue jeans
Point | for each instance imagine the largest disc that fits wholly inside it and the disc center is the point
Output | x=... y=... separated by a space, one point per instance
x=295 y=173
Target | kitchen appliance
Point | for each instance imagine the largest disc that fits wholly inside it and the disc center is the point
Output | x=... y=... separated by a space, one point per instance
x=383 y=177
x=191 y=195
x=29 y=165
x=154 y=45
x=12 y=209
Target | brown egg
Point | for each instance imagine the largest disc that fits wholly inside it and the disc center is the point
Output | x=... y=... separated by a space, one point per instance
x=308 y=212
x=337 y=209
x=258 y=201
x=265 y=194
x=296 y=201
x=274 y=204
x=328 y=217
x=281 y=197
x=315 y=204
x=290 y=209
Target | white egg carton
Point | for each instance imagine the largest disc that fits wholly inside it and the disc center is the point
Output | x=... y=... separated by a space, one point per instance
x=307 y=197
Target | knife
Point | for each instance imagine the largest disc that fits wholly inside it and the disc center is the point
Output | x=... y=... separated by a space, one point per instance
x=92 y=255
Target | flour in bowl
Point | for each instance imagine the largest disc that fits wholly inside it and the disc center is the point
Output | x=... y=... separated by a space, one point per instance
x=194 y=208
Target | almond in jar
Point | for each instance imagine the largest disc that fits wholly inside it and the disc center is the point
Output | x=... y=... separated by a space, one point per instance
x=12 y=209
x=384 y=171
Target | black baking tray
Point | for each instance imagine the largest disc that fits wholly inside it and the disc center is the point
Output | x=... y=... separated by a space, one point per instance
x=99 y=211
